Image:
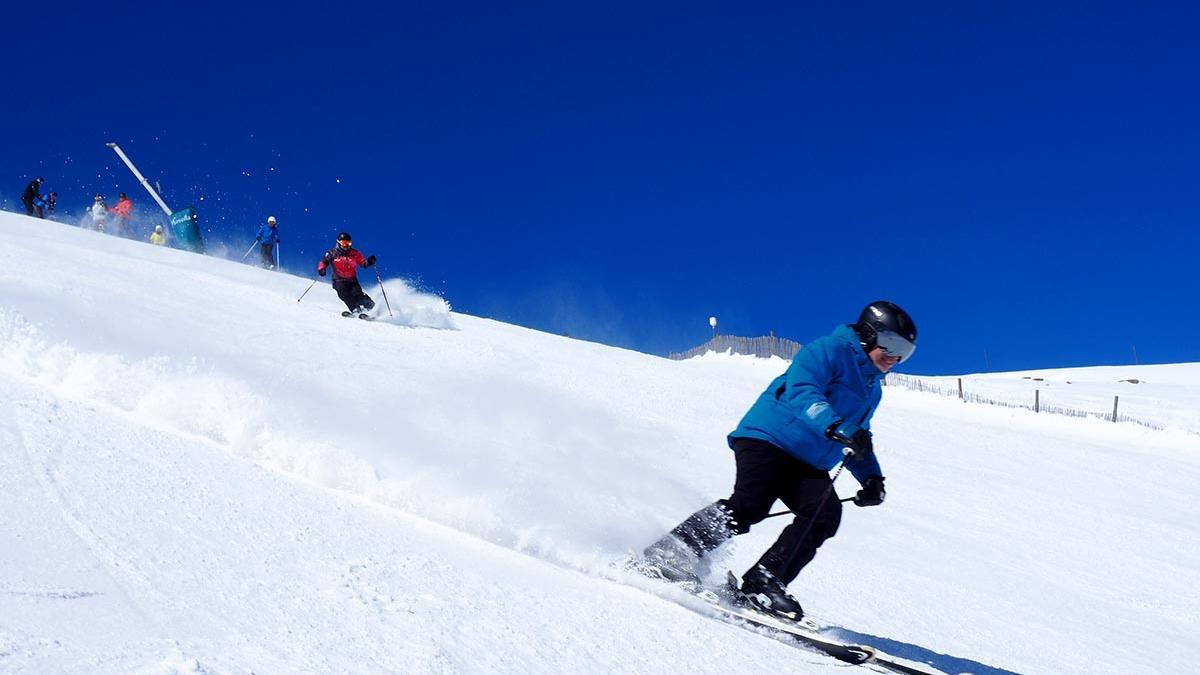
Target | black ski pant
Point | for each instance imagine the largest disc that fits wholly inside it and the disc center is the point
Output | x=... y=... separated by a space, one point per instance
x=28 y=206
x=352 y=294
x=268 y=255
x=766 y=473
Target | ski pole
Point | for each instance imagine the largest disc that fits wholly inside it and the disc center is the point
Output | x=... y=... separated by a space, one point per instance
x=278 y=256
x=314 y=283
x=785 y=513
x=248 y=250
x=846 y=452
x=828 y=491
x=384 y=291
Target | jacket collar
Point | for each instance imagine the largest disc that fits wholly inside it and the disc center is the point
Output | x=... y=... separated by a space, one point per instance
x=845 y=333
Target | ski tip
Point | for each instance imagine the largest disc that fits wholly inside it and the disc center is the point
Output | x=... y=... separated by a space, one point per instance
x=858 y=654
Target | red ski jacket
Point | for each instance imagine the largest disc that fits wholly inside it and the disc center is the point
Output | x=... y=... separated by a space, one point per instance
x=122 y=209
x=345 y=261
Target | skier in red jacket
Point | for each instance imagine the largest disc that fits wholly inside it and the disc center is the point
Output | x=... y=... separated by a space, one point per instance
x=345 y=262
x=123 y=211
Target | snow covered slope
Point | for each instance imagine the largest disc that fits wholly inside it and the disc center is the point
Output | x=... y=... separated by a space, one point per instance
x=202 y=474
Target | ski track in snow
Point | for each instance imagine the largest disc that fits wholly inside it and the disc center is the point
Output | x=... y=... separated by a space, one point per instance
x=236 y=481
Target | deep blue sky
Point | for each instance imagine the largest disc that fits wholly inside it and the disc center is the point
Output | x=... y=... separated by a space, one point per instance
x=1022 y=178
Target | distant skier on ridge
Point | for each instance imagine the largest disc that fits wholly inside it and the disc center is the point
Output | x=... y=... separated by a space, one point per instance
x=345 y=261
x=99 y=213
x=124 y=212
x=268 y=237
x=45 y=205
x=32 y=194
x=784 y=448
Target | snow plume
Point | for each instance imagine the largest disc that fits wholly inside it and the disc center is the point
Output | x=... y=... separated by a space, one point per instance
x=186 y=399
x=190 y=398
x=139 y=226
x=409 y=306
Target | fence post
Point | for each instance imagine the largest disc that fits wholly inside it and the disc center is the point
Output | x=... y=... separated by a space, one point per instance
x=1115 y=399
x=960 y=396
x=1035 y=400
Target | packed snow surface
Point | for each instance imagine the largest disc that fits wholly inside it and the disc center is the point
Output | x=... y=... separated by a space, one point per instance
x=201 y=474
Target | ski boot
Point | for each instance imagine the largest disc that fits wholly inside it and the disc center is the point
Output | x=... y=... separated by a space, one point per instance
x=765 y=593
x=671 y=560
x=677 y=556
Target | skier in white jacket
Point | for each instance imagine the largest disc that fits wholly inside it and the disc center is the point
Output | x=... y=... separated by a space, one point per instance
x=99 y=213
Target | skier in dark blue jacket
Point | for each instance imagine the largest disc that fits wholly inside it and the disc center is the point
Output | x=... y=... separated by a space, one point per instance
x=799 y=429
x=45 y=204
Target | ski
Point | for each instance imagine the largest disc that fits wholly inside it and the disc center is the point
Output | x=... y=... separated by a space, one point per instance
x=732 y=606
x=351 y=315
x=810 y=638
x=729 y=605
x=856 y=654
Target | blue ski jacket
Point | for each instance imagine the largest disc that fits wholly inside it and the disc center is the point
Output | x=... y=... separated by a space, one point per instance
x=268 y=234
x=830 y=379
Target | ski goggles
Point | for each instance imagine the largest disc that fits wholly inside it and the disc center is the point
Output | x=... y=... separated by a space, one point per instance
x=895 y=344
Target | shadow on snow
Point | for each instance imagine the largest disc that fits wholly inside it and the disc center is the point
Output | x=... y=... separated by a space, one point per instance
x=943 y=662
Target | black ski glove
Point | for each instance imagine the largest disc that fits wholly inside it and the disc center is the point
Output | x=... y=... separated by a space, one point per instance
x=370 y=260
x=321 y=271
x=872 y=492
x=851 y=436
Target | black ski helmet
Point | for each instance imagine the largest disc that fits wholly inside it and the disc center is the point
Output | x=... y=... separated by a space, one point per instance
x=344 y=236
x=884 y=324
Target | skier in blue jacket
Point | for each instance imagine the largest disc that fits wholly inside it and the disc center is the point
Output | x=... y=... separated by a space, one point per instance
x=267 y=238
x=807 y=421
